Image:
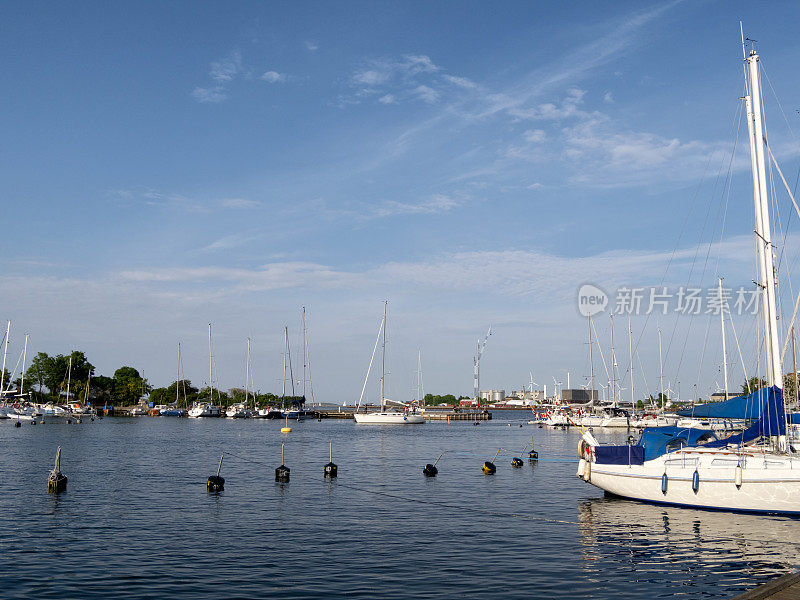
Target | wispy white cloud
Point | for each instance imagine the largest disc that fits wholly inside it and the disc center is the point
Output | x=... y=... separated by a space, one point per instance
x=239 y=203
x=227 y=242
x=460 y=81
x=428 y=94
x=388 y=99
x=274 y=77
x=212 y=95
x=534 y=136
x=311 y=45
x=225 y=69
x=437 y=203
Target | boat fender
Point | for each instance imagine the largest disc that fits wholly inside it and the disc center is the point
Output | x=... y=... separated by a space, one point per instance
x=516 y=462
x=664 y=481
x=489 y=468
x=215 y=484
x=17 y=424
x=581 y=466
x=331 y=470
x=430 y=470
x=584 y=449
x=587 y=471
x=695 y=481
x=737 y=477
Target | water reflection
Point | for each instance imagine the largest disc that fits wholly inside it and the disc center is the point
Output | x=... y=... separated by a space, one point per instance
x=682 y=547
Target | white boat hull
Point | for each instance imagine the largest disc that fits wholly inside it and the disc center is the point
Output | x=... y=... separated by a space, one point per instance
x=769 y=482
x=389 y=418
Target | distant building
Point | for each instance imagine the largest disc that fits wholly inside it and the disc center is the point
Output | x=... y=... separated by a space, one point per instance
x=579 y=396
x=720 y=396
x=493 y=396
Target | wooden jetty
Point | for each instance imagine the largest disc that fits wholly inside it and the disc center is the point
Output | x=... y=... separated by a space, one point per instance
x=785 y=587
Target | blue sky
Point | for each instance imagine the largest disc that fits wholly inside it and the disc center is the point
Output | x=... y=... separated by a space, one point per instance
x=169 y=165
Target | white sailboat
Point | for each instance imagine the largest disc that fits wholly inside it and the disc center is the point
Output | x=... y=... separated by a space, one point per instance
x=753 y=471
x=385 y=417
x=207 y=409
x=241 y=410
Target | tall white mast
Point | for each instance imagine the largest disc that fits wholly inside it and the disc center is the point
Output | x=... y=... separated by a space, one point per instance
x=304 y=352
x=613 y=366
x=285 y=352
x=591 y=363
x=630 y=351
x=763 y=230
x=420 y=390
x=724 y=352
x=24 y=354
x=383 y=358
x=660 y=370
x=247 y=375
x=178 y=377
x=5 y=354
x=210 y=367
x=69 y=375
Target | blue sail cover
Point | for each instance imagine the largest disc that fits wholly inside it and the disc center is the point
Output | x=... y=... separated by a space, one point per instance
x=794 y=418
x=742 y=407
x=772 y=421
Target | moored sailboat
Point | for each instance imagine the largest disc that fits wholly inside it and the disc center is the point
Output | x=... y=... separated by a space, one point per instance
x=385 y=417
x=756 y=470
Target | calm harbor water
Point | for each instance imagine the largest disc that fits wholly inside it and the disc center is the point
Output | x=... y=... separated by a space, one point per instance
x=136 y=521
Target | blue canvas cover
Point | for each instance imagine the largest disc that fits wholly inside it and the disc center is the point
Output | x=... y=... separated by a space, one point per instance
x=794 y=418
x=619 y=455
x=771 y=423
x=655 y=439
x=746 y=407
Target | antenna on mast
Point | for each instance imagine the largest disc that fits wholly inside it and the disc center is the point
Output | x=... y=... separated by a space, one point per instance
x=477 y=365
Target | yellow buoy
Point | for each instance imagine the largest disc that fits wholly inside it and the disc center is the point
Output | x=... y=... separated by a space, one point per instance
x=286 y=429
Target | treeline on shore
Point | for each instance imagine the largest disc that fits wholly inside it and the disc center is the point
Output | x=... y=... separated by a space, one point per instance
x=47 y=377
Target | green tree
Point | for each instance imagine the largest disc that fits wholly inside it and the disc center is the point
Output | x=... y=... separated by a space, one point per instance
x=129 y=386
x=37 y=372
x=160 y=396
x=755 y=383
x=101 y=390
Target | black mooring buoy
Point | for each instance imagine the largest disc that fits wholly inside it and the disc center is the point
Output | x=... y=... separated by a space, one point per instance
x=331 y=470
x=17 y=424
x=57 y=481
x=282 y=472
x=215 y=482
x=516 y=462
x=488 y=466
x=430 y=470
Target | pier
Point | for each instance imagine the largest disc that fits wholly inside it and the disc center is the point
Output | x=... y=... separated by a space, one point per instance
x=785 y=587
